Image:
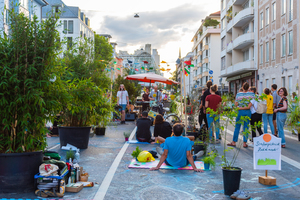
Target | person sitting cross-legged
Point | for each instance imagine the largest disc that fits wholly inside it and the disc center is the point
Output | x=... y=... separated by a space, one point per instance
x=177 y=151
x=143 y=133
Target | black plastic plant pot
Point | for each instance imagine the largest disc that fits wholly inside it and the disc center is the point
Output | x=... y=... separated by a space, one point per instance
x=231 y=179
x=199 y=147
x=17 y=171
x=76 y=136
x=100 y=131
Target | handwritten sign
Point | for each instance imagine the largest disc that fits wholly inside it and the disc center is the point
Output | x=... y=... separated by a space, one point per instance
x=267 y=152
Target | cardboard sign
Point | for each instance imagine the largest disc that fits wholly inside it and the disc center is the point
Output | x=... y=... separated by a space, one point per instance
x=152 y=114
x=267 y=152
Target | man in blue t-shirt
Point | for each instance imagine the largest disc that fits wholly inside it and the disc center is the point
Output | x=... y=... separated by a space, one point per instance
x=177 y=151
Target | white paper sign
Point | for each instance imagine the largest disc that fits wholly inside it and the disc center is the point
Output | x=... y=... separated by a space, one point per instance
x=267 y=152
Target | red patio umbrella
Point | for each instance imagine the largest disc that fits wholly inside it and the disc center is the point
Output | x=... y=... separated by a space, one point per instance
x=150 y=78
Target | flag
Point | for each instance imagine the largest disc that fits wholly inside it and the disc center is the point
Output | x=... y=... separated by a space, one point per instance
x=188 y=62
x=118 y=69
x=163 y=62
x=145 y=61
x=136 y=70
x=115 y=62
x=192 y=65
x=187 y=71
x=142 y=67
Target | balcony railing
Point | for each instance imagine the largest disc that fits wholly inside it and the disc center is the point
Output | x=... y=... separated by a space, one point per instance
x=243 y=17
x=243 y=41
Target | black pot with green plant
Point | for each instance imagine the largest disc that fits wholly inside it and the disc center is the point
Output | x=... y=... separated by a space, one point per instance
x=29 y=95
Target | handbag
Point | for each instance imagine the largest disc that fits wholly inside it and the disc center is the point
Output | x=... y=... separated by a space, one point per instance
x=261 y=107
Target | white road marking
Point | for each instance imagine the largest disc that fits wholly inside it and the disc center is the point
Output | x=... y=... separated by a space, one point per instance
x=112 y=170
x=283 y=158
x=53 y=147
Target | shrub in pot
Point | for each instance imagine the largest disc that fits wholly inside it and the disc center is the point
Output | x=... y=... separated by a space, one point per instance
x=209 y=160
x=28 y=96
x=126 y=135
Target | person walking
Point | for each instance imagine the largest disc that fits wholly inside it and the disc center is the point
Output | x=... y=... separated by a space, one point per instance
x=276 y=99
x=281 y=113
x=268 y=116
x=241 y=101
x=145 y=97
x=123 y=101
x=213 y=102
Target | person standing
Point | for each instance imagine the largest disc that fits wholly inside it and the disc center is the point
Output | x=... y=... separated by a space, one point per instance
x=268 y=116
x=201 y=113
x=145 y=97
x=241 y=102
x=123 y=101
x=276 y=99
x=281 y=113
x=205 y=94
x=156 y=95
x=213 y=102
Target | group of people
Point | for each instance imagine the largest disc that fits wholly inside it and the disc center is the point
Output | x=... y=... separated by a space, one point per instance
x=246 y=101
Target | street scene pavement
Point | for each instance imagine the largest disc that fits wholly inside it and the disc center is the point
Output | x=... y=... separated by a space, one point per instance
x=107 y=159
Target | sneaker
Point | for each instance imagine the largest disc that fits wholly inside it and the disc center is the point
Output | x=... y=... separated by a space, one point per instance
x=199 y=154
x=243 y=196
x=235 y=194
x=251 y=144
x=159 y=150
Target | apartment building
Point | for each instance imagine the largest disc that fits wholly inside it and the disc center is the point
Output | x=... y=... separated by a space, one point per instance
x=28 y=7
x=74 y=23
x=238 y=57
x=278 y=44
x=206 y=52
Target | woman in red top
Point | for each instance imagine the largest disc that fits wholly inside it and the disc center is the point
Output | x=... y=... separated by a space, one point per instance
x=145 y=97
x=213 y=101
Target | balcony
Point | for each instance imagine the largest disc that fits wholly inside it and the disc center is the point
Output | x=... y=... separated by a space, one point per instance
x=223 y=52
x=205 y=47
x=239 y=2
x=199 y=64
x=205 y=60
x=205 y=73
x=195 y=78
x=229 y=26
x=241 y=67
x=243 y=41
x=243 y=17
x=195 y=57
x=199 y=53
x=229 y=47
x=199 y=76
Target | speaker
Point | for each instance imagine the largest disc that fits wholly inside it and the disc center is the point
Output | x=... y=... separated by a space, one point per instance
x=130 y=117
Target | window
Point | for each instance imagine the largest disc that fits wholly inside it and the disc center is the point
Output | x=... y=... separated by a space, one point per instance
x=290 y=84
x=246 y=29
x=283 y=81
x=246 y=55
x=260 y=87
x=70 y=26
x=267 y=51
x=69 y=42
x=223 y=23
x=267 y=16
x=223 y=64
x=273 y=49
x=246 y=5
x=273 y=80
x=274 y=11
x=223 y=43
x=283 y=7
x=261 y=54
x=283 y=46
x=223 y=4
x=24 y=3
x=65 y=26
x=261 y=20
x=290 y=10
x=290 y=42
x=267 y=83
x=206 y=40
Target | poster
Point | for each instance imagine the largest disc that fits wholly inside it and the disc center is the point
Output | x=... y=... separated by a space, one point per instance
x=267 y=152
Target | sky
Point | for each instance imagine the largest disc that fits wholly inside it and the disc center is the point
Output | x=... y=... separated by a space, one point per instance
x=165 y=24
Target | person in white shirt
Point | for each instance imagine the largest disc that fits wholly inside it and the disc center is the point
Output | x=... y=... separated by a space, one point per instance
x=123 y=101
x=155 y=95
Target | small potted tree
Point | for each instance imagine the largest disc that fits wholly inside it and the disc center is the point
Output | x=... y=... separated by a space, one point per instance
x=209 y=160
x=126 y=135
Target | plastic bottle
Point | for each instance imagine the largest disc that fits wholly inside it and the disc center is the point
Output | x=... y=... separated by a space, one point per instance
x=77 y=155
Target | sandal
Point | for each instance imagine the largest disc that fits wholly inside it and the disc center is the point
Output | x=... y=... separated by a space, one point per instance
x=245 y=145
x=231 y=144
x=40 y=193
x=283 y=146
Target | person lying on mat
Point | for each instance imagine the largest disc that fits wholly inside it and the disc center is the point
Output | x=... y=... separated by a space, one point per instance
x=143 y=133
x=162 y=128
x=177 y=151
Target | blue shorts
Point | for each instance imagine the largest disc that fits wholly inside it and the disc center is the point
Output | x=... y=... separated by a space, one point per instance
x=123 y=106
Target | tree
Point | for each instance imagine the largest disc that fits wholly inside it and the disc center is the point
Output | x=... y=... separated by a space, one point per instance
x=173 y=78
x=211 y=22
x=103 y=49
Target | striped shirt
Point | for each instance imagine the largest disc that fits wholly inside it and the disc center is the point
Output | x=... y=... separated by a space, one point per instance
x=243 y=98
x=280 y=104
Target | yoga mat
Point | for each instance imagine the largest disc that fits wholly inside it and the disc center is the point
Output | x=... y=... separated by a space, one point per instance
x=147 y=165
x=136 y=142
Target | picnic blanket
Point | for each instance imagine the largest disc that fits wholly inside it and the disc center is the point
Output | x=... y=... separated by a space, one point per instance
x=148 y=165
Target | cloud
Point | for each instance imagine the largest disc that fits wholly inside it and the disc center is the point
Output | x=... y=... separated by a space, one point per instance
x=157 y=27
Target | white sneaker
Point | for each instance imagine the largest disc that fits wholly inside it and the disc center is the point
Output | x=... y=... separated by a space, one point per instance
x=251 y=144
x=235 y=194
x=199 y=154
x=243 y=196
x=159 y=150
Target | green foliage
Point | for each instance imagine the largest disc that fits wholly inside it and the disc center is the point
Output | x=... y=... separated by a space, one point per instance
x=136 y=152
x=211 y=22
x=27 y=96
x=103 y=49
x=174 y=107
x=210 y=159
x=132 y=87
x=70 y=154
x=293 y=118
x=126 y=134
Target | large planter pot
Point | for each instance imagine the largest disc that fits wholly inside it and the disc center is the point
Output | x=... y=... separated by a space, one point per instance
x=17 y=171
x=231 y=179
x=198 y=148
x=76 y=136
x=100 y=131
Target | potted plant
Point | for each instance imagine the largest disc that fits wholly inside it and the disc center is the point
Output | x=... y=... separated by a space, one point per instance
x=209 y=160
x=86 y=85
x=136 y=152
x=293 y=118
x=29 y=96
x=70 y=154
x=126 y=135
